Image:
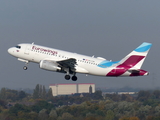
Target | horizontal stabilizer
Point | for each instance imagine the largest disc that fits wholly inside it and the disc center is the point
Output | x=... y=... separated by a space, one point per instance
x=138 y=72
x=134 y=70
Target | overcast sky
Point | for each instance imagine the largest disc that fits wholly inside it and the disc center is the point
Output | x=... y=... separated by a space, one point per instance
x=104 y=28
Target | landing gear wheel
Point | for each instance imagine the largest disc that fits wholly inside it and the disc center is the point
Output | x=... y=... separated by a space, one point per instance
x=74 y=78
x=67 y=77
x=25 y=68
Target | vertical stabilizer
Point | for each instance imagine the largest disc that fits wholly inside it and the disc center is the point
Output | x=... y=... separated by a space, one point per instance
x=136 y=58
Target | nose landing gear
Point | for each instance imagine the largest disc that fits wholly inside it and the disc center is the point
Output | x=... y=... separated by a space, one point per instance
x=25 y=68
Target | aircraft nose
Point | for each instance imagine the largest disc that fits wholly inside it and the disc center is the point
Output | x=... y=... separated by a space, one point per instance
x=10 y=51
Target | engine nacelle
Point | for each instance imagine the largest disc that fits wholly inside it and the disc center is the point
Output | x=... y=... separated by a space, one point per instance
x=49 y=65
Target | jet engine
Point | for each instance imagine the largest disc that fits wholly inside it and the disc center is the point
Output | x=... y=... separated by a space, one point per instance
x=49 y=65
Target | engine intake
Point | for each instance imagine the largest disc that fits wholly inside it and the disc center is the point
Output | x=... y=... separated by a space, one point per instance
x=49 y=65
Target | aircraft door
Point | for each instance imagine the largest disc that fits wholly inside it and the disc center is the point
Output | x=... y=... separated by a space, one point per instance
x=27 y=50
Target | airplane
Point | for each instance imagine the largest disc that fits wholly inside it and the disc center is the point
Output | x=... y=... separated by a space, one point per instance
x=71 y=63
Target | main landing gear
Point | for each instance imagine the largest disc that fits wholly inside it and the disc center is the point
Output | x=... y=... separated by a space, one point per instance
x=67 y=77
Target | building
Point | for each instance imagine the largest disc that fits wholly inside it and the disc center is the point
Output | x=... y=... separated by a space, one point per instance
x=69 y=89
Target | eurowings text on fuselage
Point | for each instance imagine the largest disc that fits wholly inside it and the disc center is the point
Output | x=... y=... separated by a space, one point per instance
x=72 y=63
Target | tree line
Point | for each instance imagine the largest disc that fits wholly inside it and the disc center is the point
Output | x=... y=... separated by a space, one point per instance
x=144 y=105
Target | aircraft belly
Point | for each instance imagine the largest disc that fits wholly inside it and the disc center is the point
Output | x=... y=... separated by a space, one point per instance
x=81 y=70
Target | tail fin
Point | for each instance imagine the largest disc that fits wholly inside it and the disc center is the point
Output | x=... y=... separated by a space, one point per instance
x=136 y=58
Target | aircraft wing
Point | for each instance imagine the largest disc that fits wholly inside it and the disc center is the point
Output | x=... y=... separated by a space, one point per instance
x=68 y=63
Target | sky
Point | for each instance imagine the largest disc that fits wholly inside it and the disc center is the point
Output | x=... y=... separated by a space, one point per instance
x=103 y=28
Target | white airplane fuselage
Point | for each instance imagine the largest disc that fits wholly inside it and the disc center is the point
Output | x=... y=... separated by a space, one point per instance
x=72 y=63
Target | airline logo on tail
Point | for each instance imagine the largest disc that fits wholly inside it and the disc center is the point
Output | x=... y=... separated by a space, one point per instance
x=130 y=64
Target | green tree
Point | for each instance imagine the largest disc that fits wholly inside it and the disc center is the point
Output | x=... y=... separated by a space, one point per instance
x=90 y=118
x=144 y=111
x=53 y=115
x=43 y=115
x=12 y=94
x=157 y=110
x=134 y=118
x=143 y=95
x=116 y=97
x=126 y=97
x=156 y=93
x=17 y=108
x=42 y=105
x=98 y=95
x=3 y=103
x=49 y=94
x=43 y=92
x=3 y=93
x=40 y=91
x=110 y=115
x=36 y=92
x=67 y=116
x=33 y=115
x=22 y=95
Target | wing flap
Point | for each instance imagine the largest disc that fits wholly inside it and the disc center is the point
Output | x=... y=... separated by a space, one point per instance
x=68 y=63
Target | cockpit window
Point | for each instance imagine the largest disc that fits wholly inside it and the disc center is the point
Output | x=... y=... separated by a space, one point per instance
x=19 y=47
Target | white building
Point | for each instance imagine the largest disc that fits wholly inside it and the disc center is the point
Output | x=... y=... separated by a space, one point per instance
x=69 y=89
